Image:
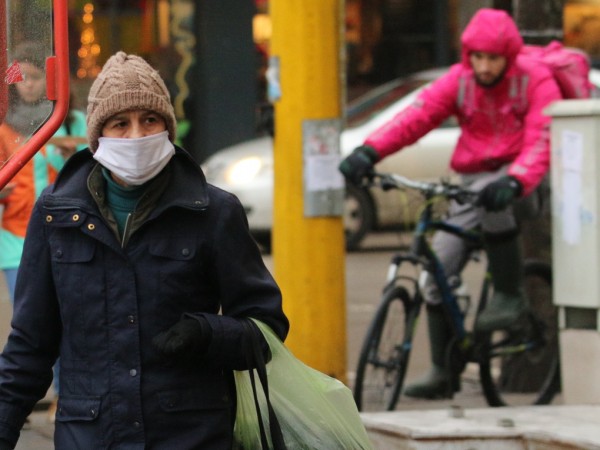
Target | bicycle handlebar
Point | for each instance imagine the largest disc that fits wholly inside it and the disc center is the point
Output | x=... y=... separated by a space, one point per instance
x=448 y=190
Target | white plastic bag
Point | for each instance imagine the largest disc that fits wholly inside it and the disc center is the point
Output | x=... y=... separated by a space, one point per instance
x=315 y=411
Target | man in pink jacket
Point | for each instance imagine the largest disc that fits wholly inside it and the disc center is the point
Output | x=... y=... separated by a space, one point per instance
x=503 y=152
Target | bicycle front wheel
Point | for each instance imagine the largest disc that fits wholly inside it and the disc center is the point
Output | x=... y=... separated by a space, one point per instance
x=522 y=367
x=385 y=352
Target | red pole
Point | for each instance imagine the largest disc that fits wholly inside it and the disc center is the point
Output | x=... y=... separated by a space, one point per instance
x=3 y=64
x=57 y=80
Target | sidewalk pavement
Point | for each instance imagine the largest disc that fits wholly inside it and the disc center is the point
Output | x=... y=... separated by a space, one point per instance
x=557 y=427
x=38 y=434
x=562 y=427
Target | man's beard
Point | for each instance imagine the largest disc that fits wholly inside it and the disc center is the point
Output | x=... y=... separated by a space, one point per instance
x=489 y=84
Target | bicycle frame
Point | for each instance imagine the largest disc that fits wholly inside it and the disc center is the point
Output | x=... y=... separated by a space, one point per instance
x=385 y=353
x=422 y=254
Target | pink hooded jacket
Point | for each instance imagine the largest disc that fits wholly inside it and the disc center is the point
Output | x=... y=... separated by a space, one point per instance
x=500 y=124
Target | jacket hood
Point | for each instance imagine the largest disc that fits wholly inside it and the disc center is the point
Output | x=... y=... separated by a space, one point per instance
x=491 y=31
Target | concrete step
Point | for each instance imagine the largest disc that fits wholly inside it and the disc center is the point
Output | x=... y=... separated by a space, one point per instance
x=563 y=427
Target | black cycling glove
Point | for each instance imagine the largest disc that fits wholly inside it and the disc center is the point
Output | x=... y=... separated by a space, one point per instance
x=359 y=164
x=499 y=194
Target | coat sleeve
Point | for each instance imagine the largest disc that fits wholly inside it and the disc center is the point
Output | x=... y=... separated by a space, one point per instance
x=245 y=286
x=432 y=106
x=32 y=347
x=533 y=161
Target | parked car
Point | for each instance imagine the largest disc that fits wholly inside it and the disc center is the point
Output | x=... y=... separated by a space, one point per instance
x=246 y=169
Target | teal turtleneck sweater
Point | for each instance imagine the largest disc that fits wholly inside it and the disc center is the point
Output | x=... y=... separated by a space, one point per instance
x=121 y=200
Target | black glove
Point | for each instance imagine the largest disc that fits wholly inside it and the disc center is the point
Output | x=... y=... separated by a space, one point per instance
x=359 y=164
x=188 y=339
x=498 y=195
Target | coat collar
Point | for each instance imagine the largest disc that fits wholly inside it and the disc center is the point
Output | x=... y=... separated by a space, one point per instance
x=187 y=187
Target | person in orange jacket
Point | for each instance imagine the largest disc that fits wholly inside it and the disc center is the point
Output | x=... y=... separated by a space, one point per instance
x=28 y=109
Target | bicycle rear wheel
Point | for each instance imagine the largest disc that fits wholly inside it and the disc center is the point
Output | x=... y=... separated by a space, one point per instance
x=523 y=367
x=385 y=352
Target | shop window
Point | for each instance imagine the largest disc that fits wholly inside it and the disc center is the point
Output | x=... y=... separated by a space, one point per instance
x=581 y=22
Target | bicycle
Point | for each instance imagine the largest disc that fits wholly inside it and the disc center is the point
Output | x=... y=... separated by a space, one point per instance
x=385 y=353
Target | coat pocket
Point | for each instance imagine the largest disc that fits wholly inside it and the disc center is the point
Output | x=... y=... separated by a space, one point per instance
x=78 y=409
x=70 y=250
x=179 y=269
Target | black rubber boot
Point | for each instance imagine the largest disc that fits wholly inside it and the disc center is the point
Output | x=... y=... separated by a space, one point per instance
x=436 y=382
x=508 y=304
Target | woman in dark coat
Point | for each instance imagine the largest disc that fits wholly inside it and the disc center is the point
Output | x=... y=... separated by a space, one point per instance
x=137 y=273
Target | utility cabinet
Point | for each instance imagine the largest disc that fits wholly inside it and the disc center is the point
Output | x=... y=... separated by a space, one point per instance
x=575 y=186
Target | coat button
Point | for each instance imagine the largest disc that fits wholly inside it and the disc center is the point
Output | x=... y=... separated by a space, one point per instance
x=131 y=319
x=136 y=424
x=58 y=253
x=48 y=218
x=133 y=372
x=185 y=252
x=75 y=217
x=93 y=412
x=91 y=226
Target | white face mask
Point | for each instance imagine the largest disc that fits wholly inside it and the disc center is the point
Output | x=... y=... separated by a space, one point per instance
x=137 y=160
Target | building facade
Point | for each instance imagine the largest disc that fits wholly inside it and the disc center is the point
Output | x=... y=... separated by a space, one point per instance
x=214 y=54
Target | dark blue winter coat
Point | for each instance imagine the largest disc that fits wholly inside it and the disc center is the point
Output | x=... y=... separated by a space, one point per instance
x=97 y=301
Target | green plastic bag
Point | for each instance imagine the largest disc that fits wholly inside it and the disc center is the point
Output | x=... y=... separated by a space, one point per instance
x=315 y=411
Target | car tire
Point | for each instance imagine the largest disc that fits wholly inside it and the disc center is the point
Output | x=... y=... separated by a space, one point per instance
x=359 y=216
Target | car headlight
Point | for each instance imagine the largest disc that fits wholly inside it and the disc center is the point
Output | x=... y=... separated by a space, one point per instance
x=244 y=170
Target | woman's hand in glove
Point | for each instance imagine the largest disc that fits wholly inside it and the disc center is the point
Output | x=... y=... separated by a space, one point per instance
x=187 y=339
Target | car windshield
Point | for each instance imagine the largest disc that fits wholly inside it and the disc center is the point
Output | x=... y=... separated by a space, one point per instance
x=365 y=107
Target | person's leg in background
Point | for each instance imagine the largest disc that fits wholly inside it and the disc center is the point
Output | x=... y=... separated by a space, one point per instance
x=505 y=258
x=452 y=253
x=502 y=242
x=11 y=280
x=51 y=415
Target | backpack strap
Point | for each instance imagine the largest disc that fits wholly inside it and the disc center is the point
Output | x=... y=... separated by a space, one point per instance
x=460 y=97
x=465 y=92
x=518 y=90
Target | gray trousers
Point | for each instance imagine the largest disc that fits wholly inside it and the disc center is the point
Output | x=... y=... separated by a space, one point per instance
x=452 y=251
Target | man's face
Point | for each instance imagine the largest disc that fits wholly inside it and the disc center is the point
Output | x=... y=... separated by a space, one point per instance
x=488 y=67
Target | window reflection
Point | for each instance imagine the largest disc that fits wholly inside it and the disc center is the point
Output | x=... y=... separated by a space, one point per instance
x=28 y=45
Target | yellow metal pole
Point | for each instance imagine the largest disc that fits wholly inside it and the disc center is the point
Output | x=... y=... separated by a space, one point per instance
x=308 y=252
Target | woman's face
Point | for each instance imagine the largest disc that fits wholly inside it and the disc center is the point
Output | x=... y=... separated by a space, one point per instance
x=133 y=124
x=33 y=86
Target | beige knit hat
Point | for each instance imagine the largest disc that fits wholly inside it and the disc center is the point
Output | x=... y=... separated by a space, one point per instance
x=127 y=83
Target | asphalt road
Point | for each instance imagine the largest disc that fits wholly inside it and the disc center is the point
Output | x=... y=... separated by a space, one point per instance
x=365 y=273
